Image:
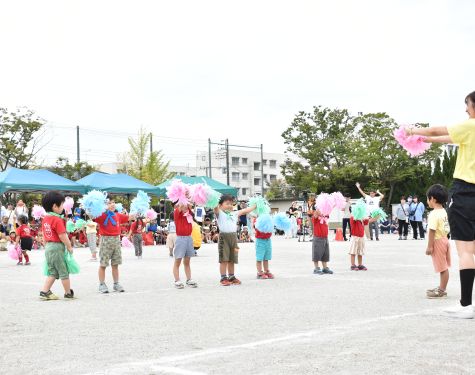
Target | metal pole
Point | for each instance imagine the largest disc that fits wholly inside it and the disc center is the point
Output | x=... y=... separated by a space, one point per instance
x=209 y=157
x=151 y=142
x=227 y=161
x=262 y=170
x=77 y=144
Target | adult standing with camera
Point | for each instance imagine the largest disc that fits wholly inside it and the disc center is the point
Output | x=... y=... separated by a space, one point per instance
x=416 y=213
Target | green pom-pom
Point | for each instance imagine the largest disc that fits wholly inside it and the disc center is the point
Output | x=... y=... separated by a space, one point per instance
x=80 y=223
x=358 y=210
x=213 y=198
x=379 y=214
x=262 y=206
x=70 y=227
x=71 y=264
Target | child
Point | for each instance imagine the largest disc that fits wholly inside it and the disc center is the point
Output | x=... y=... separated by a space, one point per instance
x=263 y=253
x=196 y=236
x=171 y=237
x=245 y=236
x=320 y=245
x=24 y=239
x=438 y=244
x=357 y=245
x=110 y=248
x=54 y=233
x=91 y=234
x=135 y=235
x=183 y=245
x=227 y=244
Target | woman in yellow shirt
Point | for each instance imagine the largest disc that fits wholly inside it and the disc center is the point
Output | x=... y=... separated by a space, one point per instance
x=461 y=207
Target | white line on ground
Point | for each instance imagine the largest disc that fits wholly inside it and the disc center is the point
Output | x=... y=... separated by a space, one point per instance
x=175 y=370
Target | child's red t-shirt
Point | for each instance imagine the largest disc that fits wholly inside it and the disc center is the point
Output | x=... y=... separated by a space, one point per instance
x=357 y=227
x=136 y=227
x=183 y=227
x=110 y=229
x=52 y=227
x=320 y=229
x=23 y=231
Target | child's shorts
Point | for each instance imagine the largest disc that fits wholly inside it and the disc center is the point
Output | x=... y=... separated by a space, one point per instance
x=54 y=254
x=110 y=251
x=461 y=211
x=263 y=249
x=320 y=250
x=357 y=246
x=26 y=243
x=171 y=239
x=183 y=247
x=227 y=246
x=441 y=255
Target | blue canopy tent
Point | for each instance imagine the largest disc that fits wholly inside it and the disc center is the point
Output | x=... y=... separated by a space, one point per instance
x=118 y=183
x=35 y=181
x=216 y=185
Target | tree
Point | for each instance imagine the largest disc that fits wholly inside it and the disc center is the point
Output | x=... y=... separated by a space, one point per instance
x=278 y=189
x=20 y=137
x=143 y=164
x=71 y=171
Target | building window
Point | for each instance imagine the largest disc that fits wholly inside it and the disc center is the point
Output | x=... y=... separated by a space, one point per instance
x=273 y=163
x=203 y=158
x=224 y=170
x=257 y=181
x=244 y=191
x=257 y=166
x=264 y=162
x=244 y=161
x=182 y=173
x=245 y=176
x=234 y=161
x=272 y=177
x=235 y=176
x=265 y=177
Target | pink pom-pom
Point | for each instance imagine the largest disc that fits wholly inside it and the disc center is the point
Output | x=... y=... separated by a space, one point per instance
x=38 y=212
x=68 y=205
x=325 y=204
x=151 y=214
x=178 y=191
x=339 y=200
x=415 y=145
x=13 y=251
x=198 y=194
x=126 y=242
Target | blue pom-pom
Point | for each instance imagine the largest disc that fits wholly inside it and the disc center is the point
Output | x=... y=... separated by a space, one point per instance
x=265 y=224
x=94 y=203
x=119 y=208
x=282 y=222
x=140 y=204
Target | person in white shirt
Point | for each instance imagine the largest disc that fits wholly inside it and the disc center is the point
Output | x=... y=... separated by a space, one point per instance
x=372 y=203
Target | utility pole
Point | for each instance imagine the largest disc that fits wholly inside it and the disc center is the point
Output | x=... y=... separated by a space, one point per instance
x=77 y=144
x=151 y=142
x=227 y=161
x=262 y=170
x=209 y=157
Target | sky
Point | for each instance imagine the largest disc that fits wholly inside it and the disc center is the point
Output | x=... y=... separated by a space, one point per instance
x=192 y=70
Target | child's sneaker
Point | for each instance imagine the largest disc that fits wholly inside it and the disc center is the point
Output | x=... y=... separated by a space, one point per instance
x=103 y=288
x=27 y=264
x=328 y=271
x=234 y=280
x=179 y=284
x=269 y=275
x=436 y=293
x=118 y=288
x=191 y=283
x=354 y=267
x=362 y=268
x=69 y=295
x=19 y=264
x=317 y=271
x=48 y=296
x=225 y=281
x=262 y=276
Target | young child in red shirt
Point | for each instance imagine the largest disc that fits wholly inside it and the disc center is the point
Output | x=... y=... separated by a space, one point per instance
x=263 y=252
x=110 y=246
x=183 y=245
x=24 y=239
x=56 y=238
x=357 y=245
x=320 y=244
x=135 y=235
